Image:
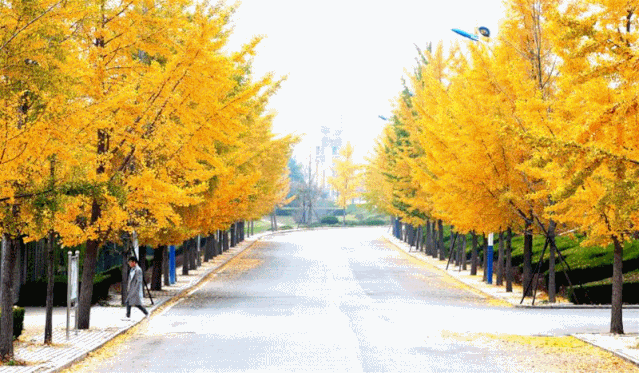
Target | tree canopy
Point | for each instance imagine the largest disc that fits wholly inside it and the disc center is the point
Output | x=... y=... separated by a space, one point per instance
x=536 y=125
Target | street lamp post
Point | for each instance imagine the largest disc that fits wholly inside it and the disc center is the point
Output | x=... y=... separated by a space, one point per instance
x=484 y=31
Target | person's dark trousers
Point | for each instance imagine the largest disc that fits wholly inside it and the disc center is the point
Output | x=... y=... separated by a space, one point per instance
x=141 y=308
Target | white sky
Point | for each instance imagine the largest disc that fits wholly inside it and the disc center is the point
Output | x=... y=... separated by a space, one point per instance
x=345 y=59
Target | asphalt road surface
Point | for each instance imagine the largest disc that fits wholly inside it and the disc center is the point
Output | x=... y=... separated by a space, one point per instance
x=345 y=300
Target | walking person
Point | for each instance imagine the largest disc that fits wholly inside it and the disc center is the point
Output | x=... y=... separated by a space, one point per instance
x=134 y=290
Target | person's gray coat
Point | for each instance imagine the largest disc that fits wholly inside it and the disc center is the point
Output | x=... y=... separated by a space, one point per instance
x=134 y=291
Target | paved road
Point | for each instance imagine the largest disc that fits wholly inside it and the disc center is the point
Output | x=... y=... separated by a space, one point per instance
x=337 y=300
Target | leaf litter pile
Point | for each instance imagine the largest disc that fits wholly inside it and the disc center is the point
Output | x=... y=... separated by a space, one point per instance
x=547 y=354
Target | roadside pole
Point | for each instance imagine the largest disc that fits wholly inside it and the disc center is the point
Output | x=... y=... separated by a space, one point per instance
x=172 y=264
x=72 y=289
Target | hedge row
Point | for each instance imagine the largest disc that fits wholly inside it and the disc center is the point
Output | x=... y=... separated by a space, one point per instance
x=33 y=294
x=601 y=294
x=18 y=321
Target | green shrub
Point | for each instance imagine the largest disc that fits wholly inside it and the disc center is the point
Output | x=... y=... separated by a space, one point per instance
x=602 y=294
x=101 y=285
x=281 y=212
x=329 y=220
x=375 y=222
x=18 y=321
x=34 y=294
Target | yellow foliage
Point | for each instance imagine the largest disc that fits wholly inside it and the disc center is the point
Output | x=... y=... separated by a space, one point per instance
x=347 y=179
x=136 y=118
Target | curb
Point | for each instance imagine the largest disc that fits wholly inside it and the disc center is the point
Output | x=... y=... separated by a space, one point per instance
x=392 y=240
x=397 y=243
x=602 y=345
x=613 y=351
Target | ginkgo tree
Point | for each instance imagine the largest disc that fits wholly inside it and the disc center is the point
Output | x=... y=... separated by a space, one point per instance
x=536 y=125
x=591 y=160
x=139 y=84
x=346 y=179
x=33 y=91
x=123 y=117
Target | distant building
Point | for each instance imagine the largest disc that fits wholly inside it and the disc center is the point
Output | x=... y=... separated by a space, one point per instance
x=325 y=155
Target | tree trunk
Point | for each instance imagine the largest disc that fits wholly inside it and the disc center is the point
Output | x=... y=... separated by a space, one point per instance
x=427 y=245
x=440 y=244
x=458 y=259
x=8 y=277
x=616 y=320
x=206 y=249
x=124 y=274
x=225 y=238
x=185 y=258
x=451 y=250
x=158 y=264
x=464 y=255
x=509 y=261
x=405 y=232
x=92 y=246
x=142 y=259
x=474 y=254
x=434 y=239
x=551 y=262
x=86 y=284
x=48 y=323
x=394 y=226
x=198 y=242
x=500 y=260
x=344 y=216
x=484 y=251
x=214 y=238
x=22 y=270
x=218 y=243
x=527 y=270
x=233 y=230
x=413 y=236
x=193 y=254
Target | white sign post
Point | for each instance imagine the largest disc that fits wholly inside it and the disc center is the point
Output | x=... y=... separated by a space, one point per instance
x=73 y=284
x=136 y=245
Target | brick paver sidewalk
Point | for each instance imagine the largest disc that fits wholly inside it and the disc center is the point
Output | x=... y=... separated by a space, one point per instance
x=107 y=322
